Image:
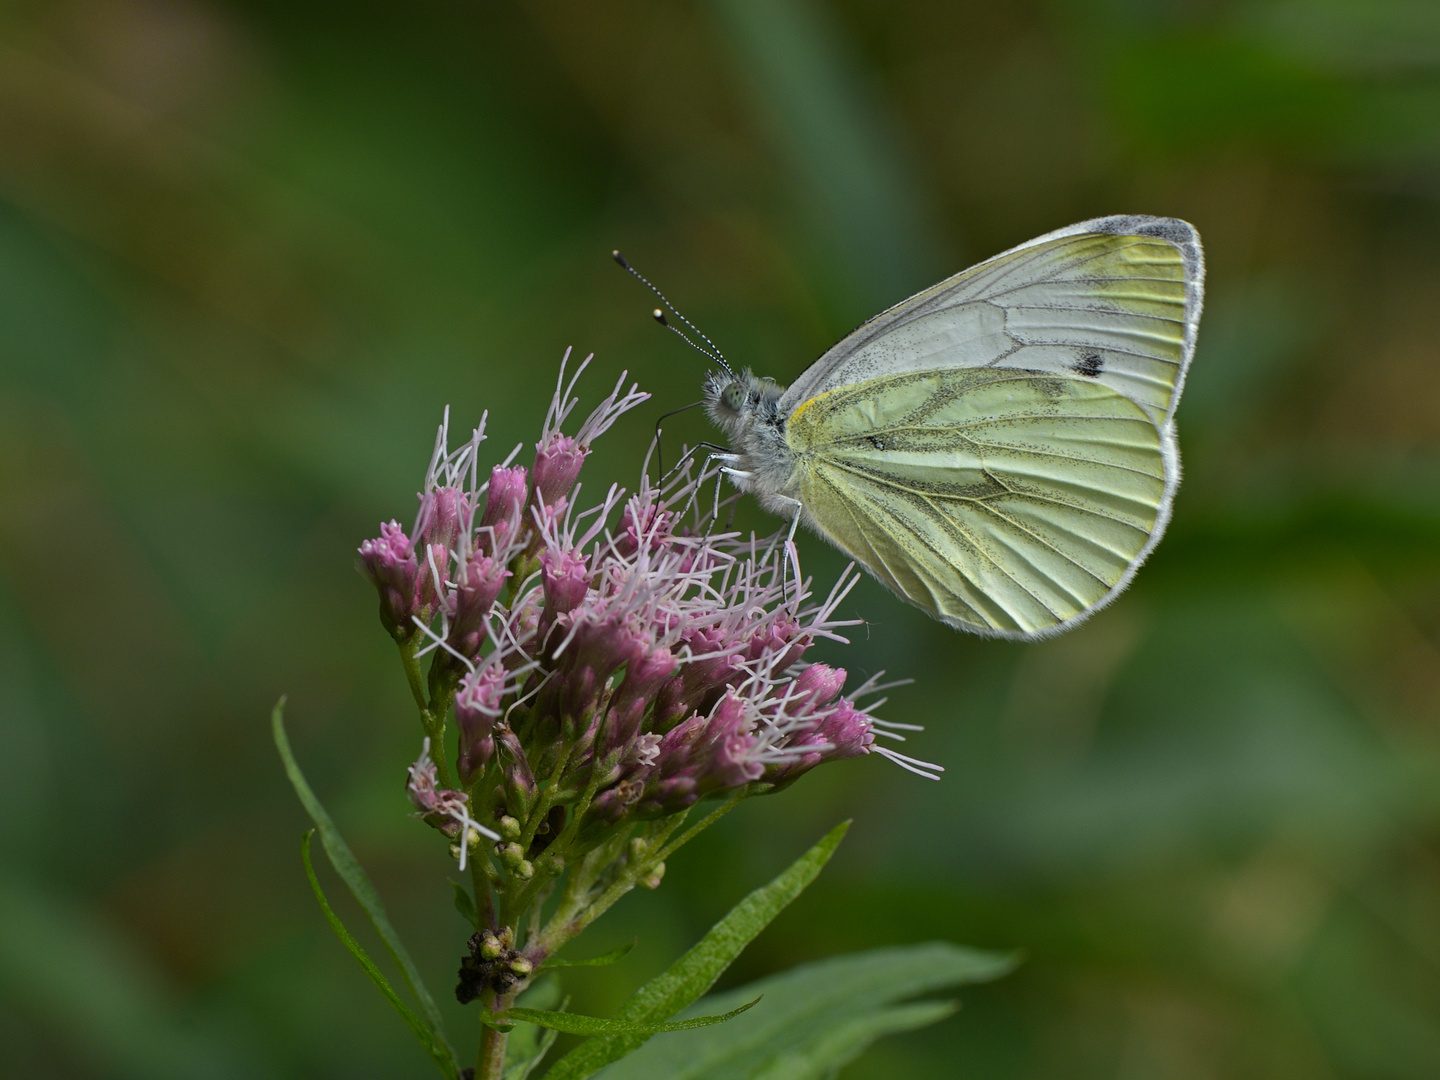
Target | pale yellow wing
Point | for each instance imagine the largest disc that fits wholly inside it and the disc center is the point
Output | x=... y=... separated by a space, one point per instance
x=1115 y=299
x=1007 y=502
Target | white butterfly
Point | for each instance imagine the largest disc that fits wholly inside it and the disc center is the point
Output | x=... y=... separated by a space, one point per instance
x=1000 y=448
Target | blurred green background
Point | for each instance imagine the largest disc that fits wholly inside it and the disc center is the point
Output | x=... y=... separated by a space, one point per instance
x=248 y=251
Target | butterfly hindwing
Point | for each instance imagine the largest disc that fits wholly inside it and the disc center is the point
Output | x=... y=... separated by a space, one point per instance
x=1007 y=502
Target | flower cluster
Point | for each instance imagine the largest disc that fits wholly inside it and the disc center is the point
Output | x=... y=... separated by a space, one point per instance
x=615 y=662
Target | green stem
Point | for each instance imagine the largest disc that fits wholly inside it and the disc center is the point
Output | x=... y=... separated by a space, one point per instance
x=578 y=909
x=432 y=712
x=482 y=884
x=704 y=823
x=490 y=1062
x=546 y=801
x=412 y=674
x=626 y=880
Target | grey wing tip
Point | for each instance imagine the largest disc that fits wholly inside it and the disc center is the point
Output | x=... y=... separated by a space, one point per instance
x=1181 y=233
x=1175 y=230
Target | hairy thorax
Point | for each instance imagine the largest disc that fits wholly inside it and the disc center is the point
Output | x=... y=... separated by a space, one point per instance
x=747 y=409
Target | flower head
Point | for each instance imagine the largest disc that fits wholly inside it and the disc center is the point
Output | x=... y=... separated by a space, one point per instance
x=633 y=654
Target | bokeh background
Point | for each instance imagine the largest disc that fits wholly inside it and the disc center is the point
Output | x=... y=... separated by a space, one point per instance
x=249 y=251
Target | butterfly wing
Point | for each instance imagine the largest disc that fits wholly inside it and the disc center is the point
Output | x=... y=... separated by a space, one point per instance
x=1000 y=448
x=1115 y=299
x=1006 y=502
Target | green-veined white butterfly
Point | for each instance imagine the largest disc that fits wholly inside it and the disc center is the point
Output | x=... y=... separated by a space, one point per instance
x=999 y=449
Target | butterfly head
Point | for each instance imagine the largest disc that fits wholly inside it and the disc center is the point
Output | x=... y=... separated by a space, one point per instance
x=736 y=402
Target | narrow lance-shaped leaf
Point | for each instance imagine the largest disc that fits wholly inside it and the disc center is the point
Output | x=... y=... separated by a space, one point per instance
x=465 y=905
x=576 y=1024
x=835 y=1049
x=348 y=867
x=815 y=1018
x=439 y=1053
x=603 y=960
x=695 y=972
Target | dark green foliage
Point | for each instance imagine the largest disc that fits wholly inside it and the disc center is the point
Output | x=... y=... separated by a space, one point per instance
x=816 y=1018
x=695 y=972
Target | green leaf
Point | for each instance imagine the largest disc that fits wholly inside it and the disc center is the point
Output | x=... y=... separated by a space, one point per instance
x=575 y=1024
x=814 y=1019
x=695 y=972
x=348 y=867
x=603 y=960
x=840 y=1046
x=465 y=905
x=423 y=1032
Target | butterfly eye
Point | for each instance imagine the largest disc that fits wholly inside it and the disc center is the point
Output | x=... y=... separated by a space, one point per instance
x=733 y=396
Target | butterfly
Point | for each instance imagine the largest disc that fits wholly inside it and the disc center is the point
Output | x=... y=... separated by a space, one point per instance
x=999 y=450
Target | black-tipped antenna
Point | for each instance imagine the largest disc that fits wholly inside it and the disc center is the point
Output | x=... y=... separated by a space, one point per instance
x=659 y=315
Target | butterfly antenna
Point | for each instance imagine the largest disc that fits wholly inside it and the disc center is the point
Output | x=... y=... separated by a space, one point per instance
x=659 y=315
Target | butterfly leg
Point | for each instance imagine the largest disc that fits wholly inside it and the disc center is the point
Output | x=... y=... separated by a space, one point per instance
x=738 y=475
x=794 y=518
x=792 y=558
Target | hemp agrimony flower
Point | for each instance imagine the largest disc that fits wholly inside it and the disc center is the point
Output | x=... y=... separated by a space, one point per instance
x=609 y=663
x=632 y=655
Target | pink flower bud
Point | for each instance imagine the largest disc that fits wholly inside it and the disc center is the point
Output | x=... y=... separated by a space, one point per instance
x=701 y=681
x=475 y=595
x=389 y=563
x=442 y=515
x=557 y=466
x=732 y=734
x=434 y=578
x=645 y=671
x=651 y=523
x=477 y=707
x=441 y=807
x=565 y=579
x=848 y=731
x=780 y=638
x=817 y=686
x=504 y=501
x=520 y=787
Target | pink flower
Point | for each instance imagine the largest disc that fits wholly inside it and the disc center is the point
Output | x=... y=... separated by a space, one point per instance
x=565 y=580
x=504 y=501
x=631 y=652
x=478 y=586
x=389 y=563
x=557 y=466
x=446 y=810
x=477 y=708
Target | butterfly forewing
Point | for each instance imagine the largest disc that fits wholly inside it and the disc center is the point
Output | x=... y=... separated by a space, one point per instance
x=1004 y=501
x=1116 y=300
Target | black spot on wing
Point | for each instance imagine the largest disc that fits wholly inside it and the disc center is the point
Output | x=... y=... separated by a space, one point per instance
x=1090 y=364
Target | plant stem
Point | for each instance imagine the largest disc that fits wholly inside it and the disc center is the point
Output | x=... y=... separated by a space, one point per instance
x=490 y=1064
x=579 y=908
x=432 y=712
x=412 y=673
